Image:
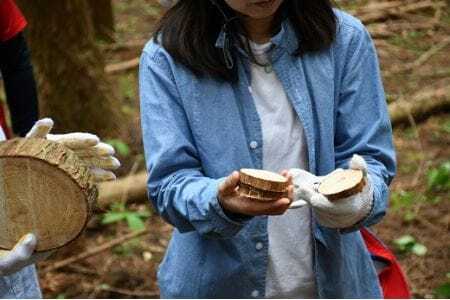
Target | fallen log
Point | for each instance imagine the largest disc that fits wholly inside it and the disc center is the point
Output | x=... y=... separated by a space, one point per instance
x=128 y=189
x=420 y=106
x=421 y=60
x=397 y=10
x=122 y=66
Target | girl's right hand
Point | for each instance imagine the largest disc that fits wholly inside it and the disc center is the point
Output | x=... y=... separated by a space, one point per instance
x=231 y=201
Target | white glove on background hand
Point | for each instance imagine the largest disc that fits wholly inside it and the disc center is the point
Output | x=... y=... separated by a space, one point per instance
x=20 y=256
x=98 y=156
x=341 y=213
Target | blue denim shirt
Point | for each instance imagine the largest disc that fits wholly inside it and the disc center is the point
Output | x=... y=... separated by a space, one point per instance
x=21 y=285
x=197 y=130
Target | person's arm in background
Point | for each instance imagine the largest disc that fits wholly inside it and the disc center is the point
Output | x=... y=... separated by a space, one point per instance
x=16 y=69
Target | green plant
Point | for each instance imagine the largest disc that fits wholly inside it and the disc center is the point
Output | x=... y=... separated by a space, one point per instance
x=121 y=147
x=443 y=291
x=438 y=179
x=128 y=249
x=401 y=199
x=446 y=126
x=411 y=41
x=408 y=244
x=119 y=213
x=404 y=201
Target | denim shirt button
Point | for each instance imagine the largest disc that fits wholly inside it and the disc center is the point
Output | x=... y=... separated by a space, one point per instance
x=253 y=144
x=259 y=246
x=255 y=294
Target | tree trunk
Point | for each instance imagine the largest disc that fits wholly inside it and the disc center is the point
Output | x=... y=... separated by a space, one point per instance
x=103 y=19
x=73 y=87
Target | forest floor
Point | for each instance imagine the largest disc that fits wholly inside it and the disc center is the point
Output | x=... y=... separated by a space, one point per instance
x=419 y=211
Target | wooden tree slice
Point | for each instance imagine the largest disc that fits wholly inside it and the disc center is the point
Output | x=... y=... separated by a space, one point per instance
x=262 y=185
x=44 y=189
x=342 y=184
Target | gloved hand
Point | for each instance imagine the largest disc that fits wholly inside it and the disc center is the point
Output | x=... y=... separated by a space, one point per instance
x=341 y=213
x=20 y=256
x=98 y=156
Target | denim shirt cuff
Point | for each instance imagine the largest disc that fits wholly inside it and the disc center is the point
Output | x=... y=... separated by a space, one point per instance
x=224 y=224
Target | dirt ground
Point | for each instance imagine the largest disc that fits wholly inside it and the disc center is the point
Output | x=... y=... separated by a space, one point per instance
x=129 y=270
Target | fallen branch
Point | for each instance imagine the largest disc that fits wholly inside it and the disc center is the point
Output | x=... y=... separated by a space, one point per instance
x=387 y=30
x=128 y=189
x=396 y=9
x=136 y=44
x=125 y=292
x=95 y=250
x=421 y=60
x=122 y=66
x=420 y=106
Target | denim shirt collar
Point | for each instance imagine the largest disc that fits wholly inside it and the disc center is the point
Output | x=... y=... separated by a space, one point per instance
x=285 y=39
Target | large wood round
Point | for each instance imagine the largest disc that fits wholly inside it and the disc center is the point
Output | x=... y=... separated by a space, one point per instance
x=262 y=185
x=342 y=184
x=44 y=189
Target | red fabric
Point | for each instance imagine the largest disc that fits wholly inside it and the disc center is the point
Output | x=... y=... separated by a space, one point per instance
x=11 y=20
x=392 y=280
x=3 y=123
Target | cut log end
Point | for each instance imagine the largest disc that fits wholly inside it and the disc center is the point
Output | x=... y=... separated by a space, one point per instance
x=262 y=185
x=45 y=190
x=342 y=184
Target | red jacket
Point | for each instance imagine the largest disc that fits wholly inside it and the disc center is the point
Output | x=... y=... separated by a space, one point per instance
x=11 y=23
x=11 y=20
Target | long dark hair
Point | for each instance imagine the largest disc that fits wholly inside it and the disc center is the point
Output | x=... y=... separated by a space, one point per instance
x=189 y=30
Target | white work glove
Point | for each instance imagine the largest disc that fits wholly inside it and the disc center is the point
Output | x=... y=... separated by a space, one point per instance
x=98 y=156
x=341 y=213
x=20 y=256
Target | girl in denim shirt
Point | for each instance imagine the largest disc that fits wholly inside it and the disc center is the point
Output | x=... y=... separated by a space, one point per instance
x=269 y=84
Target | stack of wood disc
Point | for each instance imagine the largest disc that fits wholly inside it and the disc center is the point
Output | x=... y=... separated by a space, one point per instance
x=341 y=184
x=262 y=185
x=45 y=190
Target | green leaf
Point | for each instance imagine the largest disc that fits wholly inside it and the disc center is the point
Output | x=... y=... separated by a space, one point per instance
x=402 y=199
x=419 y=249
x=118 y=206
x=404 y=242
x=446 y=126
x=134 y=222
x=439 y=178
x=144 y=214
x=113 y=217
x=443 y=291
x=121 y=147
x=409 y=216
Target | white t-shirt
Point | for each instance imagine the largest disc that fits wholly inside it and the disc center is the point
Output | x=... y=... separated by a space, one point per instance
x=290 y=267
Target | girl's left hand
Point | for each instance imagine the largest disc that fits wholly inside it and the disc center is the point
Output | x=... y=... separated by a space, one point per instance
x=343 y=213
